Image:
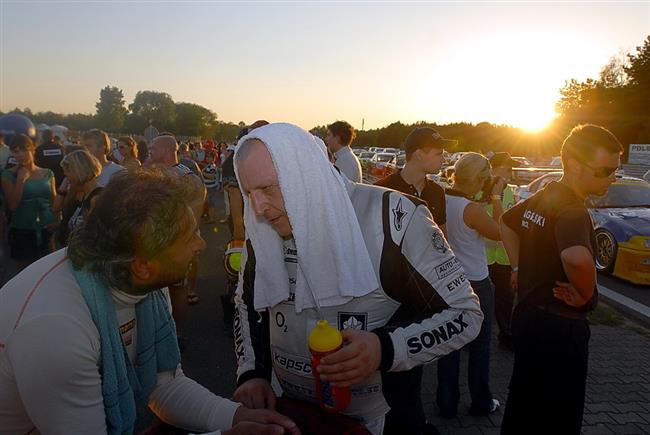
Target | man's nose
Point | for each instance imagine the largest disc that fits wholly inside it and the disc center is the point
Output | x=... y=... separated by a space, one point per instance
x=258 y=202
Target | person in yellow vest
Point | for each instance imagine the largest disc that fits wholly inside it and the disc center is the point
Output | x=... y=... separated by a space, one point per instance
x=497 y=259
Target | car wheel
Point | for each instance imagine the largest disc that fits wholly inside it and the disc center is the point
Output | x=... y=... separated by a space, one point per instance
x=606 y=251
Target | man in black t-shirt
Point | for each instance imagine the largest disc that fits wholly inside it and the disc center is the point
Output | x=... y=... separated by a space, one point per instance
x=551 y=246
x=49 y=155
x=424 y=155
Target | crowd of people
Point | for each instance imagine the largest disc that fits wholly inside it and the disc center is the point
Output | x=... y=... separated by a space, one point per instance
x=105 y=242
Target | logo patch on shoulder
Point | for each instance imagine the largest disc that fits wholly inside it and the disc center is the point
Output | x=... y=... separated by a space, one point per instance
x=439 y=242
x=398 y=215
x=358 y=321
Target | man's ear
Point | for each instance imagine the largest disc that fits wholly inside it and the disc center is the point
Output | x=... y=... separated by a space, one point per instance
x=574 y=166
x=141 y=269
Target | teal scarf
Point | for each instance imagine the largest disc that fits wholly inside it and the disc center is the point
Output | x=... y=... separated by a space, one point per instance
x=124 y=386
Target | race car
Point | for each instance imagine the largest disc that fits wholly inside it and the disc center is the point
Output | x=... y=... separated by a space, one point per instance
x=622 y=222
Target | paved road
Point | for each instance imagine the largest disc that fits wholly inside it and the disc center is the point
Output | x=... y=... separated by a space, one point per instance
x=637 y=293
x=618 y=390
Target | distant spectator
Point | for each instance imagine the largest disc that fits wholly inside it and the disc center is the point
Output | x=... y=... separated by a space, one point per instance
x=184 y=151
x=211 y=179
x=81 y=170
x=49 y=155
x=164 y=154
x=99 y=145
x=70 y=198
x=200 y=154
x=498 y=263
x=129 y=151
x=30 y=192
x=424 y=149
x=5 y=152
x=467 y=225
x=143 y=151
x=339 y=137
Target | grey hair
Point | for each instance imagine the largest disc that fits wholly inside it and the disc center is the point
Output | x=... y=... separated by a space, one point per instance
x=245 y=149
x=139 y=212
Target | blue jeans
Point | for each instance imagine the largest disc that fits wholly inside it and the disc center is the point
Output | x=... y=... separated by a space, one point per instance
x=478 y=373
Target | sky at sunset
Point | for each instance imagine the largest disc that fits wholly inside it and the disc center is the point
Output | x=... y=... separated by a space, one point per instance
x=313 y=63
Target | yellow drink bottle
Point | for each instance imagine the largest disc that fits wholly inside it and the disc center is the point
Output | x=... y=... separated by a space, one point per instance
x=324 y=340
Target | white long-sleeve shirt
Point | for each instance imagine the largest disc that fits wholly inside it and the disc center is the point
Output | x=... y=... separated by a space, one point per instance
x=348 y=163
x=50 y=355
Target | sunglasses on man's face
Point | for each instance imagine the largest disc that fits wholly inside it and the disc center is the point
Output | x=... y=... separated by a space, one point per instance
x=601 y=172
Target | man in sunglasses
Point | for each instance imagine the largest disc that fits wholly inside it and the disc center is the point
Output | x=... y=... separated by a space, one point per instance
x=550 y=242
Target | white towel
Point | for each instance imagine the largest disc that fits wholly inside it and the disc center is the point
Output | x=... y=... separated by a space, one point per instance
x=332 y=254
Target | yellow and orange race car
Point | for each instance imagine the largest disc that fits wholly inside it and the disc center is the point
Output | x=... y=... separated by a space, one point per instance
x=622 y=222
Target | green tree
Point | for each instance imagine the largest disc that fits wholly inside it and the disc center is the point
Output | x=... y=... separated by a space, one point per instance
x=49 y=118
x=111 y=112
x=225 y=131
x=393 y=135
x=151 y=107
x=80 y=121
x=194 y=120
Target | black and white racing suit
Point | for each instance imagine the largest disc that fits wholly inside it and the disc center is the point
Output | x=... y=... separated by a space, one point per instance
x=424 y=308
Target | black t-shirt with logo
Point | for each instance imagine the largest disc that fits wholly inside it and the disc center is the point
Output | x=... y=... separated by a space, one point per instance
x=550 y=221
x=49 y=155
x=432 y=194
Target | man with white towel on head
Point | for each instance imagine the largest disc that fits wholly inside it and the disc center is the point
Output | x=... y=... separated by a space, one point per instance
x=369 y=260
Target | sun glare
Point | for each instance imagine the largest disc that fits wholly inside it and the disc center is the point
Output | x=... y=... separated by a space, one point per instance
x=501 y=79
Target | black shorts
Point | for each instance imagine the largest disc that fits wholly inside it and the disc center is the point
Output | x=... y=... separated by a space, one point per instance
x=24 y=245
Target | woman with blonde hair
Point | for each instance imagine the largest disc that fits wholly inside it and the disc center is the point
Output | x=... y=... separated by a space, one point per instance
x=129 y=150
x=81 y=170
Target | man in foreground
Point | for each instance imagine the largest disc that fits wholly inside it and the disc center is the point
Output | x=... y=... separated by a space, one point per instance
x=550 y=242
x=368 y=260
x=86 y=335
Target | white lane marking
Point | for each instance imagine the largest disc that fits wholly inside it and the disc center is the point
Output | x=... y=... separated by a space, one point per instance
x=624 y=300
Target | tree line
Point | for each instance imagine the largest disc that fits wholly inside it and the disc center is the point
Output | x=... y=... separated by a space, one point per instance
x=618 y=99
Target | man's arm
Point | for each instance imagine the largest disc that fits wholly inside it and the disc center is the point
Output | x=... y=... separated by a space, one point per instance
x=510 y=241
x=55 y=360
x=572 y=233
x=252 y=341
x=436 y=291
x=442 y=312
x=236 y=212
x=182 y=402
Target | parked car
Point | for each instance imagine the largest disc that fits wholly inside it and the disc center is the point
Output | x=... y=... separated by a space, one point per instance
x=527 y=190
x=395 y=165
x=523 y=162
x=377 y=165
x=364 y=158
x=526 y=175
x=621 y=220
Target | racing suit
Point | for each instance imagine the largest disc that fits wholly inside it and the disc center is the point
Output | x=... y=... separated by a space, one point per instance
x=424 y=308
